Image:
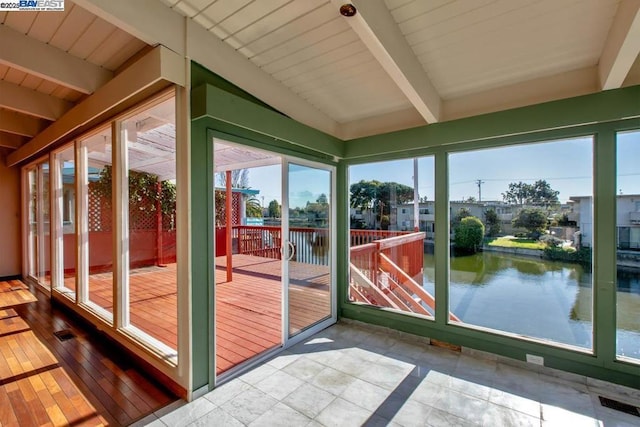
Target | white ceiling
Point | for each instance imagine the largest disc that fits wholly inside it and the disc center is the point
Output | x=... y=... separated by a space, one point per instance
x=395 y=64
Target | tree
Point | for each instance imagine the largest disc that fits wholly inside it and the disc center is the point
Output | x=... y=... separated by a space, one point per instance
x=379 y=196
x=220 y=207
x=469 y=234
x=543 y=194
x=534 y=220
x=253 y=208
x=274 y=209
x=318 y=212
x=462 y=213
x=518 y=193
x=539 y=193
x=239 y=178
x=492 y=221
x=363 y=194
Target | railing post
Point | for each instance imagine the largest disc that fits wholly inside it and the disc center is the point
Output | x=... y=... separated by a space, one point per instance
x=229 y=230
x=376 y=257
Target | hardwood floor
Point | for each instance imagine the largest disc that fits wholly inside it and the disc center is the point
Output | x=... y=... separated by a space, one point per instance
x=85 y=380
x=15 y=292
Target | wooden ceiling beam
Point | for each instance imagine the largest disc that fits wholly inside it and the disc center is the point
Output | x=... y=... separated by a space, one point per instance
x=20 y=124
x=622 y=46
x=380 y=33
x=31 y=102
x=10 y=140
x=50 y=63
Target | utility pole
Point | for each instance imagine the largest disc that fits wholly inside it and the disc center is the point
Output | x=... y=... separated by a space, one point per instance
x=479 y=182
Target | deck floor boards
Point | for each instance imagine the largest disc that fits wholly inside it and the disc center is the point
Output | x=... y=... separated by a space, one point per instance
x=248 y=309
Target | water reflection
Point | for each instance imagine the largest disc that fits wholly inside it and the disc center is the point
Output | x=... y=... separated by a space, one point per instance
x=547 y=300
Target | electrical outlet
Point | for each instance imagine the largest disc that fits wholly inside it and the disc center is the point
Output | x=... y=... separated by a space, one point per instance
x=536 y=360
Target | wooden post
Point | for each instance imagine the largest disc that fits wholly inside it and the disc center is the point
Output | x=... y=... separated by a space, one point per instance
x=229 y=217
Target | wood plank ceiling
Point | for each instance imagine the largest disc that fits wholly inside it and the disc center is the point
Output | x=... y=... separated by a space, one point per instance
x=50 y=61
x=395 y=64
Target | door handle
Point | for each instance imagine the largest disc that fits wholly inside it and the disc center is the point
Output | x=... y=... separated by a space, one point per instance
x=292 y=250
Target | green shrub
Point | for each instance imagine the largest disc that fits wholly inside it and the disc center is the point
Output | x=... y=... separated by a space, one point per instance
x=385 y=222
x=534 y=220
x=493 y=222
x=582 y=255
x=469 y=234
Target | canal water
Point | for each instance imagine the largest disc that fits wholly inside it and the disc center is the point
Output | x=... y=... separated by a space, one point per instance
x=541 y=299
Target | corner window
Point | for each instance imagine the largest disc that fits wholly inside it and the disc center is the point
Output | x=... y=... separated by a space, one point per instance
x=391 y=255
x=525 y=272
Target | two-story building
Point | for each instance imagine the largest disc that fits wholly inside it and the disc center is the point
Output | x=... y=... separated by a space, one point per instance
x=627 y=220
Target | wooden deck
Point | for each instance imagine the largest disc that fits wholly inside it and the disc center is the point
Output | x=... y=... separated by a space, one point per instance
x=80 y=382
x=248 y=309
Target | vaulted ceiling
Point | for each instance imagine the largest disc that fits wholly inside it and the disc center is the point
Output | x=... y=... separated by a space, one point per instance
x=395 y=64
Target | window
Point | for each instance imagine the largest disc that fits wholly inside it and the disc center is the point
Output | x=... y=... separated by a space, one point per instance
x=149 y=138
x=66 y=207
x=529 y=277
x=386 y=271
x=628 y=253
x=97 y=191
x=39 y=232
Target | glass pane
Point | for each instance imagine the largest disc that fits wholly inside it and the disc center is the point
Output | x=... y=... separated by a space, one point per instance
x=67 y=168
x=150 y=139
x=521 y=230
x=248 y=262
x=32 y=242
x=628 y=259
x=309 y=247
x=44 y=232
x=392 y=236
x=100 y=226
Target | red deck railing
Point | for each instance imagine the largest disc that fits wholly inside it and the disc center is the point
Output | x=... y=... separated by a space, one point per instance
x=386 y=266
x=389 y=273
x=310 y=245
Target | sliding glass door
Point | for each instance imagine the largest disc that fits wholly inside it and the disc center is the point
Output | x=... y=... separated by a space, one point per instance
x=273 y=260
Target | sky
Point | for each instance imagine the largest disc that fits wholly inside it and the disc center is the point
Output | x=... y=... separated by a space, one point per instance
x=305 y=184
x=567 y=165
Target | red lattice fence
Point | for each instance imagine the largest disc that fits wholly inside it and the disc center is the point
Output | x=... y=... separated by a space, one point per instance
x=146 y=246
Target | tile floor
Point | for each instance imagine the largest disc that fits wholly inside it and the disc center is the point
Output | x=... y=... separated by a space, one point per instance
x=353 y=374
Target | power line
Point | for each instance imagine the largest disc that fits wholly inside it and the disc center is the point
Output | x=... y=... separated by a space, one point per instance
x=558 y=178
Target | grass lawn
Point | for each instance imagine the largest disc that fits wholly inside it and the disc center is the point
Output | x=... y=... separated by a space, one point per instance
x=514 y=242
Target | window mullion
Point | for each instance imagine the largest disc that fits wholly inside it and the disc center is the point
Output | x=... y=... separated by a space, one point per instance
x=120 y=203
x=82 y=221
